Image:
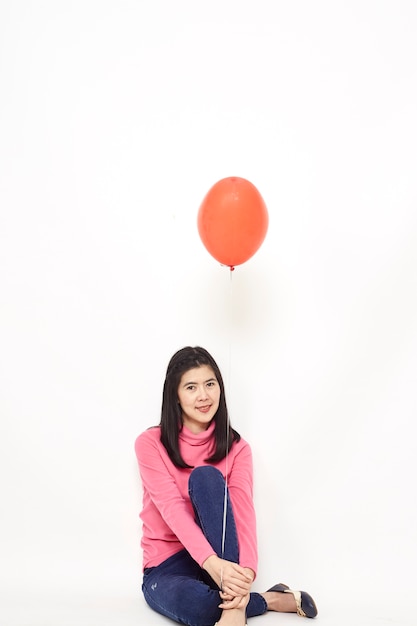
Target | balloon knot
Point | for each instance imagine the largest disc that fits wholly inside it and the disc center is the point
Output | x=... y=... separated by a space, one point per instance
x=232 y=269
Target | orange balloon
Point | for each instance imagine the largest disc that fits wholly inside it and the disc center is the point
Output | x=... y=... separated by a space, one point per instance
x=232 y=221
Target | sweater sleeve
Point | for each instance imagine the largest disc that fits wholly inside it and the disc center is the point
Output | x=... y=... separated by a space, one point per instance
x=159 y=482
x=240 y=485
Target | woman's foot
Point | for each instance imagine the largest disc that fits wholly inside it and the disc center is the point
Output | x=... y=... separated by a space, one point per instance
x=282 y=598
x=281 y=602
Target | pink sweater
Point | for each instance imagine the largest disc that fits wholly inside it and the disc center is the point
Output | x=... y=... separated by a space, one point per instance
x=167 y=514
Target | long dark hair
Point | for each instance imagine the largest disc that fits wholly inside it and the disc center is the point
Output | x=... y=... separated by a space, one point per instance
x=171 y=414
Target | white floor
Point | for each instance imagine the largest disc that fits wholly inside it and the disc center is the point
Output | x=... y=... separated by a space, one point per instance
x=21 y=609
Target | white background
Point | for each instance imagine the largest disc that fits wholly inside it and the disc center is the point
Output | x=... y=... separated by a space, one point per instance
x=116 y=117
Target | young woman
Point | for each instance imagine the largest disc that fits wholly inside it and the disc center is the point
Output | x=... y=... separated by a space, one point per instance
x=199 y=528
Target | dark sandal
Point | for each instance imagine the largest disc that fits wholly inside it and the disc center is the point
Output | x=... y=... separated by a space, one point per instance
x=306 y=607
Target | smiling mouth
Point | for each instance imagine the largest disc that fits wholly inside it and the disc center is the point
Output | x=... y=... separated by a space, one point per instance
x=204 y=409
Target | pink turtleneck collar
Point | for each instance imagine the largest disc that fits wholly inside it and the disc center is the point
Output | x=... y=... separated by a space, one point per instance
x=197 y=439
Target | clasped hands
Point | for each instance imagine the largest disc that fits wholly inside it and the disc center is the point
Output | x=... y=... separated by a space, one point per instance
x=234 y=581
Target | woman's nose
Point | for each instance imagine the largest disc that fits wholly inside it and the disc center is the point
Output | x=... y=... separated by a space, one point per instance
x=202 y=392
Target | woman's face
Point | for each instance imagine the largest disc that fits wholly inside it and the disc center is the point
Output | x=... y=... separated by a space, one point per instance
x=199 y=396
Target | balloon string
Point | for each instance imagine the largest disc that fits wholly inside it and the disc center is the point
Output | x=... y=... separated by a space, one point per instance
x=228 y=418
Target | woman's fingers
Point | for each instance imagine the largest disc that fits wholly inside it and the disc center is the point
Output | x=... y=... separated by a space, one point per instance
x=226 y=597
x=230 y=602
x=230 y=577
x=236 y=581
x=235 y=574
x=240 y=572
x=235 y=589
x=234 y=603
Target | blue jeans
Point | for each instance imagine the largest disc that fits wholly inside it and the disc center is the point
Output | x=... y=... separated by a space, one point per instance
x=179 y=588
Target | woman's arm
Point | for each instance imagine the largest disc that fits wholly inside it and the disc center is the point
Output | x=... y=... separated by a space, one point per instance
x=159 y=482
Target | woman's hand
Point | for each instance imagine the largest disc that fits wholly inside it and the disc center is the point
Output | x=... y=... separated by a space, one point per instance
x=233 y=580
x=228 y=602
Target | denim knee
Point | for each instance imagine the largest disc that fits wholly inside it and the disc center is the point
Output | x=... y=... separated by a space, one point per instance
x=208 y=495
x=205 y=474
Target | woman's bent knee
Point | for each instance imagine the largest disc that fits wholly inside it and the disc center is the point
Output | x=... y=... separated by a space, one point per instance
x=205 y=474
